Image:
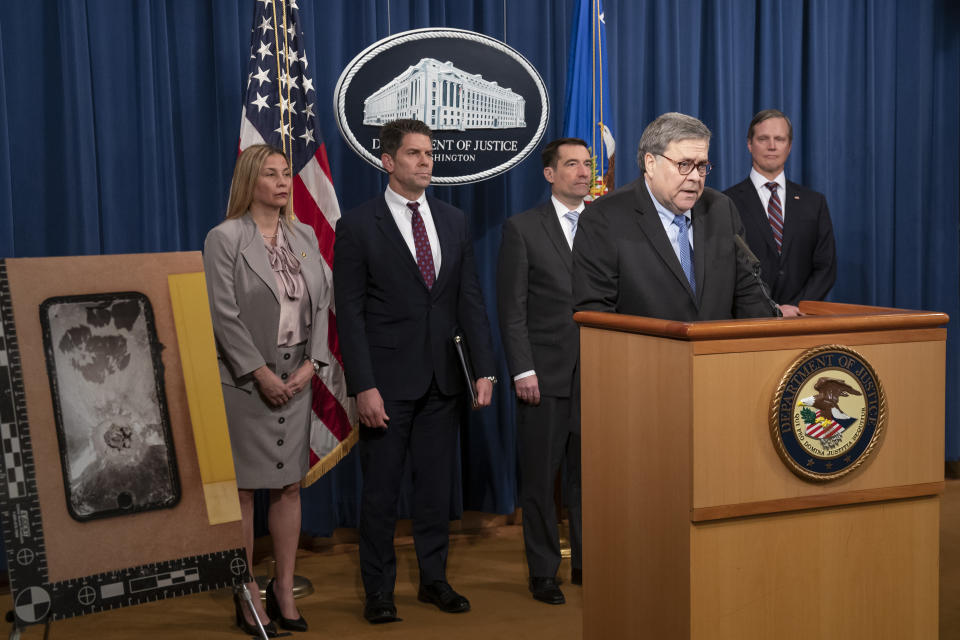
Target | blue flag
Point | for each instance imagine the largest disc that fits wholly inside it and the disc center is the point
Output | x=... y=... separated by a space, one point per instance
x=588 y=107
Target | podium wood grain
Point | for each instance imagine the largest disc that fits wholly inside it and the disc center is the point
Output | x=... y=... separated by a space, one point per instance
x=869 y=571
x=694 y=527
x=732 y=438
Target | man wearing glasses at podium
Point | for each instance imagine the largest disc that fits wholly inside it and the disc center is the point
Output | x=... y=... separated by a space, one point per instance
x=665 y=246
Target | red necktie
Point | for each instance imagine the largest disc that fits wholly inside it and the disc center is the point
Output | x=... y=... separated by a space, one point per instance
x=775 y=214
x=422 y=244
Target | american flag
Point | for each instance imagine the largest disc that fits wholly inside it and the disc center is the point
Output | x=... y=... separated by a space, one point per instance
x=279 y=110
x=823 y=428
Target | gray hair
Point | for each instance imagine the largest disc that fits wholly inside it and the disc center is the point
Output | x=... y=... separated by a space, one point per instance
x=667 y=128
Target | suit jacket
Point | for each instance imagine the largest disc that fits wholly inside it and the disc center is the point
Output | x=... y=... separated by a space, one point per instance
x=623 y=261
x=807 y=266
x=535 y=300
x=395 y=333
x=245 y=301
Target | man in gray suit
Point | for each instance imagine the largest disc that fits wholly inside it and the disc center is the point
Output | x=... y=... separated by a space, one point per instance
x=663 y=246
x=534 y=299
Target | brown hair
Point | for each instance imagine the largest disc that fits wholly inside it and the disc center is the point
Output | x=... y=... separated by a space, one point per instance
x=245 y=174
x=551 y=153
x=768 y=114
x=392 y=133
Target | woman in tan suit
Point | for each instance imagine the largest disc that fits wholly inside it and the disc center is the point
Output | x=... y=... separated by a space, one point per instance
x=269 y=299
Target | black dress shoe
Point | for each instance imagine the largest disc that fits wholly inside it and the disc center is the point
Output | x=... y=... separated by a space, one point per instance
x=576 y=576
x=379 y=608
x=246 y=627
x=546 y=590
x=273 y=610
x=442 y=594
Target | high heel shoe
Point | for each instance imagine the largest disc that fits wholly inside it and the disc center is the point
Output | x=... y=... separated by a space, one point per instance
x=273 y=610
x=246 y=627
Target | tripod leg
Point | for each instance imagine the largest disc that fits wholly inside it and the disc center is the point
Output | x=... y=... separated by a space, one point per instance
x=248 y=601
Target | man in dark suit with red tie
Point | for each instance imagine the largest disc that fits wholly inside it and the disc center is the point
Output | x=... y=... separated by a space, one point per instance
x=542 y=342
x=787 y=225
x=404 y=280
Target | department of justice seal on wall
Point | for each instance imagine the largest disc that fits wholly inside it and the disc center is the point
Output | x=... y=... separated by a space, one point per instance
x=486 y=104
x=828 y=413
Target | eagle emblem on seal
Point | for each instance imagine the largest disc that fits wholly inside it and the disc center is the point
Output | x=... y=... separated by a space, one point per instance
x=828 y=413
x=822 y=415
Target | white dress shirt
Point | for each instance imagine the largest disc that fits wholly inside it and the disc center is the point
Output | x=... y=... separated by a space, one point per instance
x=666 y=219
x=403 y=216
x=562 y=210
x=759 y=182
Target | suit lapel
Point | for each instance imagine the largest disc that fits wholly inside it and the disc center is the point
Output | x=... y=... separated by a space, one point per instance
x=448 y=245
x=792 y=213
x=551 y=225
x=652 y=227
x=758 y=217
x=255 y=255
x=702 y=248
x=388 y=227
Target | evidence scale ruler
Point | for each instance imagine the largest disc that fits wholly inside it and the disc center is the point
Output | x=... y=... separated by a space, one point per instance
x=35 y=599
x=146 y=583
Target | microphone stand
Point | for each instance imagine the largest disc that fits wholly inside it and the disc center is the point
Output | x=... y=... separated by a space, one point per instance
x=754 y=264
x=755 y=270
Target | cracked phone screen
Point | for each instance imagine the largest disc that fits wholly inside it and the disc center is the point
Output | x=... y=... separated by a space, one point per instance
x=107 y=383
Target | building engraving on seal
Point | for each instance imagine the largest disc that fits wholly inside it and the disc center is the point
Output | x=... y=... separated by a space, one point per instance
x=445 y=97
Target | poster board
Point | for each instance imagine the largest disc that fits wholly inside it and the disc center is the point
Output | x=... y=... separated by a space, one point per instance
x=61 y=566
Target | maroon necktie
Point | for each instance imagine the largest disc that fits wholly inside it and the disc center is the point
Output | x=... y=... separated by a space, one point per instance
x=775 y=214
x=422 y=244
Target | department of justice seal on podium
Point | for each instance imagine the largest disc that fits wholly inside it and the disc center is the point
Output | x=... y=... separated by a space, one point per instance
x=828 y=413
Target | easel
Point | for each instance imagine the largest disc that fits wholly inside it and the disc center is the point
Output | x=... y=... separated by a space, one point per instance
x=15 y=630
x=192 y=554
x=244 y=594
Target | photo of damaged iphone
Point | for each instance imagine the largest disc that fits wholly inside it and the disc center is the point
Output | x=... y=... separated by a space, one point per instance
x=107 y=384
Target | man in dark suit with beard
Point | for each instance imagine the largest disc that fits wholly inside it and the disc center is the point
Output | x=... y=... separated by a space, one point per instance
x=787 y=225
x=663 y=246
x=404 y=279
x=535 y=305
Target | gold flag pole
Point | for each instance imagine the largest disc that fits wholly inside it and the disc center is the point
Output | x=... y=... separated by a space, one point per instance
x=302 y=586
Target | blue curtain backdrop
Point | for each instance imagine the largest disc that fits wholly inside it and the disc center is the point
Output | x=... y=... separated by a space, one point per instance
x=119 y=125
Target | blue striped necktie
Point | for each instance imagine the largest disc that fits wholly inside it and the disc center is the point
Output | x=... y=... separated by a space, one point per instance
x=573 y=217
x=686 y=251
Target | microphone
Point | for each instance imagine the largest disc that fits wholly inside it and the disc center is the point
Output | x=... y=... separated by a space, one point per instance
x=753 y=263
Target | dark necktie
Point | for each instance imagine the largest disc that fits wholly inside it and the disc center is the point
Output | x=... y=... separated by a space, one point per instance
x=422 y=244
x=775 y=214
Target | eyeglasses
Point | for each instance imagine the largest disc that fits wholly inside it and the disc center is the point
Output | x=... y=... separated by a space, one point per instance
x=686 y=166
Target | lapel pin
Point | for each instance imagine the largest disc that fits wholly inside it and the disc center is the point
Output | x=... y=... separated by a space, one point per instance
x=303 y=254
x=796 y=197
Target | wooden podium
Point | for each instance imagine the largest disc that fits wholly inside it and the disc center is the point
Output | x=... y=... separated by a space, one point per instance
x=693 y=525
